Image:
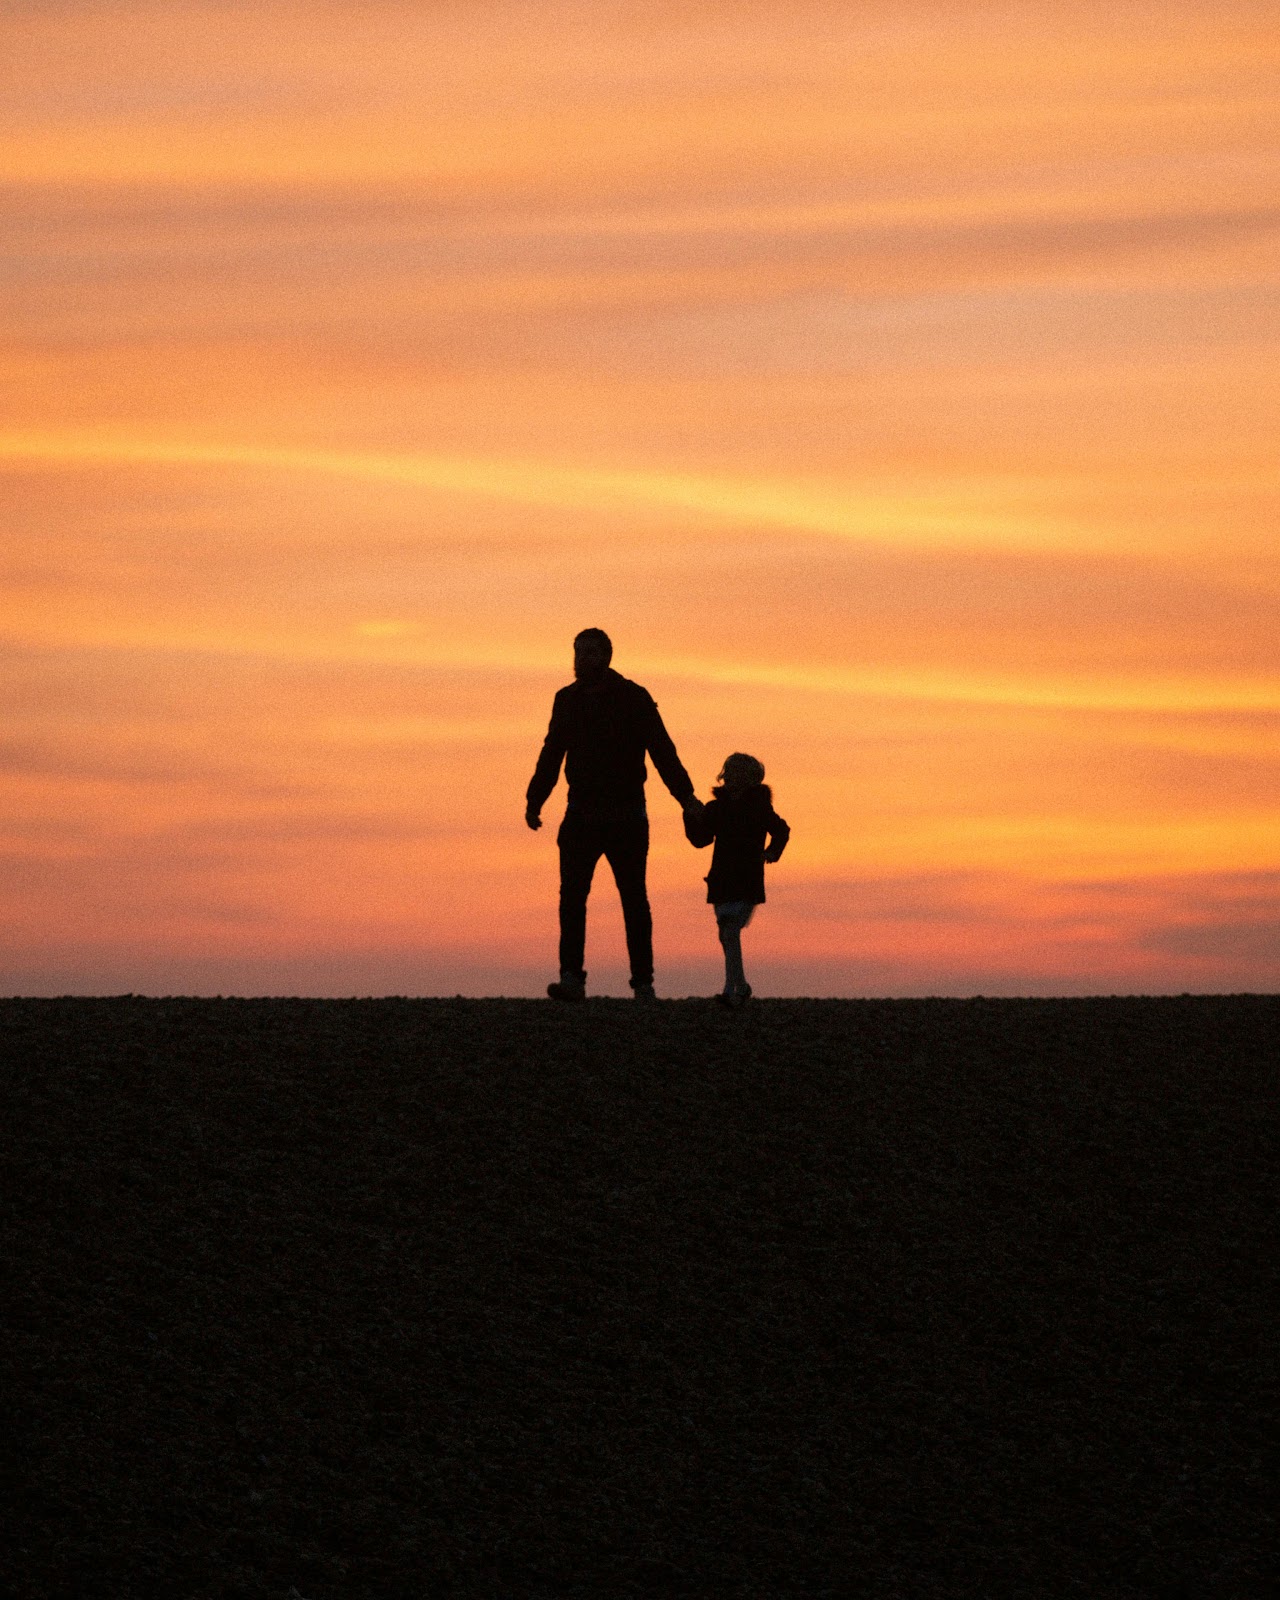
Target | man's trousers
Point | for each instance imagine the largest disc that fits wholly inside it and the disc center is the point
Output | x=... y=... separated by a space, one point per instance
x=622 y=838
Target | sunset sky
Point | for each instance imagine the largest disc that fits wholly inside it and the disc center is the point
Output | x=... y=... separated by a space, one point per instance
x=897 y=385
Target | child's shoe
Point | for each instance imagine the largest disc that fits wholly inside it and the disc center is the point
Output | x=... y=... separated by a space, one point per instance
x=736 y=998
x=643 y=991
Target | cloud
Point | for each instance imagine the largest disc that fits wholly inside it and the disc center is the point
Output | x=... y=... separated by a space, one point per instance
x=1224 y=943
x=1229 y=921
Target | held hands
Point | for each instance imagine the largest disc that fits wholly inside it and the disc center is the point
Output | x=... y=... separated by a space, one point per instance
x=695 y=829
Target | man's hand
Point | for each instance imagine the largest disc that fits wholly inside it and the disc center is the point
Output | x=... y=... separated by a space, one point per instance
x=692 y=807
x=532 y=819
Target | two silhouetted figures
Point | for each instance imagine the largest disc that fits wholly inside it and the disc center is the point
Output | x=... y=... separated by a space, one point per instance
x=602 y=728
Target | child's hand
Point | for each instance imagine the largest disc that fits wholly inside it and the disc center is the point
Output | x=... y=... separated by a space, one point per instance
x=772 y=855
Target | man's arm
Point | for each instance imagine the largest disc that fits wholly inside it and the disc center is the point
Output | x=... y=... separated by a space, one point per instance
x=547 y=771
x=666 y=761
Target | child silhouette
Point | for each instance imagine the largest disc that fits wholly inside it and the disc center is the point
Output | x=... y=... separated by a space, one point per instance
x=739 y=819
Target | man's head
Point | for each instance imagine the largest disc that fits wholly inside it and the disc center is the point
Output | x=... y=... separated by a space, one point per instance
x=592 y=653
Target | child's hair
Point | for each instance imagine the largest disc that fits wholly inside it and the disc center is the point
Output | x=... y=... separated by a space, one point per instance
x=741 y=769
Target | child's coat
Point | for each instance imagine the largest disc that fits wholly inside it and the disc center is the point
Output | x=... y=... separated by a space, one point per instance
x=739 y=824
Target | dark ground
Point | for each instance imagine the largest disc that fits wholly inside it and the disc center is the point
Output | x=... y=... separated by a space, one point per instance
x=411 y=1298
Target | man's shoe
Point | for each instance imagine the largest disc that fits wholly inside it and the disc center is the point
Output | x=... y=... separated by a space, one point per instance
x=643 y=991
x=567 y=990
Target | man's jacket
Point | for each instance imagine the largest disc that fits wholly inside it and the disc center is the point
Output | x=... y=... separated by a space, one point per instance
x=602 y=734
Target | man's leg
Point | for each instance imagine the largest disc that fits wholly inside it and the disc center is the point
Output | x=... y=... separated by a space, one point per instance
x=627 y=852
x=580 y=848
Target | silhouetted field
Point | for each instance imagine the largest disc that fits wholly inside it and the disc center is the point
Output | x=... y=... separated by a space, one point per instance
x=404 y=1298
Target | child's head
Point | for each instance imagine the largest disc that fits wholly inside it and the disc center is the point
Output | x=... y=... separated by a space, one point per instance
x=740 y=772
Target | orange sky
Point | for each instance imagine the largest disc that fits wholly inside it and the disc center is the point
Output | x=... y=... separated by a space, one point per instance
x=899 y=389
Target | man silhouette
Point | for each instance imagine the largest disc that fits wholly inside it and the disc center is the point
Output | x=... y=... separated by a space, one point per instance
x=602 y=725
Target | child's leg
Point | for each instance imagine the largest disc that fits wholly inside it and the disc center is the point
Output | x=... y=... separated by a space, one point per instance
x=731 y=919
x=731 y=942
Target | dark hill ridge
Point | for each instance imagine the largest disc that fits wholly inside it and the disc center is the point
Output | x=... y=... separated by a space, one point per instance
x=404 y=1298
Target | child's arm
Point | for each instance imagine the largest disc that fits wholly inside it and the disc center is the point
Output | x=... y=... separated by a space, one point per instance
x=779 y=833
x=700 y=825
